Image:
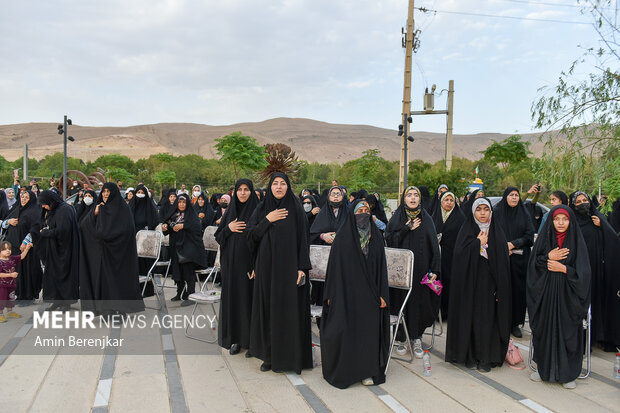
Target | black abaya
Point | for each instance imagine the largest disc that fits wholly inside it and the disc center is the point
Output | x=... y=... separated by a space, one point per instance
x=109 y=257
x=236 y=263
x=355 y=332
x=81 y=209
x=280 y=328
x=517 y=226
x=423 y=306
x=59 y=249
x=480 y=300
x=29 y=222
x=449 y=231
x=557 y=302
x=206 y=209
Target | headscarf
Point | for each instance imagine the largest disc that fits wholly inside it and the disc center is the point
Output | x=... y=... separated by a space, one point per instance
x=515 y=221
x=226 y=198
x=166 y=207
x=333 y=204
x=373 y=204
x=445 y=214
x=206 y=209
x=363 y=225
x=560 y=236
x=81 y=209
x=412 y=213
x=581 y=212
x=562 y=196
x=10 y=202
x=484 y=226
x=143 y=210
x=51 y=198
x=241 y=211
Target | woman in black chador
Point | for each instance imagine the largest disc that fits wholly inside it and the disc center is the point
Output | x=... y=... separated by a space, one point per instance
x=186 y=249
x=355 y=335
x=144 y=217
x=204 y=210
x=311 y=208
x=87 y=203
x=604 y=252
x=448 y=220
x=24 y=220
x=109 y=257
x=516 y=223
x=59 y=249
x=412 y=228
x=278 y=239
x=558 y=284
x=237 y=265
x=479 y=326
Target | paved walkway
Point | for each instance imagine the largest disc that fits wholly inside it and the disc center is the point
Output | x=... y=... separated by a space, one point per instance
x=175 y=374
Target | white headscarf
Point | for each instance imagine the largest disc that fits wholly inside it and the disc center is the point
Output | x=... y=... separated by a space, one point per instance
x=484 y=226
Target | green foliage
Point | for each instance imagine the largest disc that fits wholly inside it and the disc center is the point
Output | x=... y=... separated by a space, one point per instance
x=116 y=174
x=113 y=162
x=510 y=151
x=52 y=165
x=243 y=152
x=165 y=177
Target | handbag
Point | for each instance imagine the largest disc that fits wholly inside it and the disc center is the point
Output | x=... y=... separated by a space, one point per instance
x=514 y=357
x=435 y=286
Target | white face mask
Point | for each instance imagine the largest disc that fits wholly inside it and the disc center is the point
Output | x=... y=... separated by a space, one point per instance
x=88 y=200
x=196 y=194
x=307 y=207
x=140 y=195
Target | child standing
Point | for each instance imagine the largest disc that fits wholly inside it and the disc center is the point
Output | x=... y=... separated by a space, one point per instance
x=8 y=279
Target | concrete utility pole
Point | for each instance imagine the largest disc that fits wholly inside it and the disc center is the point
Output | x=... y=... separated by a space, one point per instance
x=25 y=164
x=449 y=125
x=408 y=45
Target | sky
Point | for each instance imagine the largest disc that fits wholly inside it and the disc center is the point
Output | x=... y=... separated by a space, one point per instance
x=220 y=62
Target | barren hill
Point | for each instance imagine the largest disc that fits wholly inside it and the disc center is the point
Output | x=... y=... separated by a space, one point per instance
x=312 y=140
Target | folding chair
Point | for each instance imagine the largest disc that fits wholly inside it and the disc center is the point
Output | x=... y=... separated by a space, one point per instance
x=210 y=244
x=210 y=297
x=432 y=333
x=586 y=326
x=165 y=242
x=400 y=275
x=148 y=244
x=319 y=255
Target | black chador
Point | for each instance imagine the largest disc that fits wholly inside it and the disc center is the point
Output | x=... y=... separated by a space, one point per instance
x=81 y=208
x=59 y=249
x=517 y=226
x=558 y=301
x=109 y=257
x=355 y=329
x=207 y=211
x=604 y=252
x=480 y=298
x=423 y=306
x=237 y=265
x=29 y=269
x=448 y=224
x=280 y=328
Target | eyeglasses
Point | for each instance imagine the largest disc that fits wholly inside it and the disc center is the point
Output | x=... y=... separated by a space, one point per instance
x=336 y=195
x=307 y=203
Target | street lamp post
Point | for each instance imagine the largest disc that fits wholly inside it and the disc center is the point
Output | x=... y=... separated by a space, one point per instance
x=62 y=130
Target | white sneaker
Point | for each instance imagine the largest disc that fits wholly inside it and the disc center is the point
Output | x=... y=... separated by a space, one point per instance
x=368 y=382
x=570 y=385
x=401 y=348
x=417 y=348
x=535 y=376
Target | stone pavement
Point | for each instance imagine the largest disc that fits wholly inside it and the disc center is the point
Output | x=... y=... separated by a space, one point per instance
x=161 y=370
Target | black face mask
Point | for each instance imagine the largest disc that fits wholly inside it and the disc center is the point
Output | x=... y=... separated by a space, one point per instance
x=224 y=205
x=583 y=209
x=334 y=204
x=362 y=220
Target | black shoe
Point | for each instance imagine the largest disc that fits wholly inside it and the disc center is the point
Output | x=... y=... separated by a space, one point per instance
x=470 y=365
x=484 y=367
x=248 y=355
x=186 y=303
x=185 y=296
x=176 y=298
x=516 y=331
x=265 y=367
x=24 y=303
x=234 y=349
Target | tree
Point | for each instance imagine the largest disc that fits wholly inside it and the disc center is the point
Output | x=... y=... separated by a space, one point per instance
x=165 y=177
x=510 y=151
x=112 y=161
x=586 y=111
x=280 y=158
x=242 y=151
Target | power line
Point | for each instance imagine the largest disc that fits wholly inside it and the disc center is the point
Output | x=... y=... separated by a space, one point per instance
x=425 y=10
x=538 y=3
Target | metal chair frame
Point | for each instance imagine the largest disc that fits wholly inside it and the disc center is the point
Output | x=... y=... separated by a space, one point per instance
x=206 y=296
x=400 y=319
x=587 y=325
x=149 y=277
x=317 y=273
x=165 y=242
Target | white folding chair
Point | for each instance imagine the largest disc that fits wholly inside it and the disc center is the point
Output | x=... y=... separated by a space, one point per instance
x=319 y=255
x=210 y=244
x=586 y=326
x=148 y=244
x=165 y=242
x=400 y=275
x=209 y=297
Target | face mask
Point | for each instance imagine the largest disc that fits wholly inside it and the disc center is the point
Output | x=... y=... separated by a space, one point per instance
x=75 y=184
x=335 y=204
x=196 y=194
x=224 y=205
x=583 y=209
x=307 y=207
x=140 y=195
x=88 y=201
x=362 y=220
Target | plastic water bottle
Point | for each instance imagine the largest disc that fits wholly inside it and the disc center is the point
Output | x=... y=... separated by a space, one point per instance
x=427 y=363
x=214 y=324
x=617 y=367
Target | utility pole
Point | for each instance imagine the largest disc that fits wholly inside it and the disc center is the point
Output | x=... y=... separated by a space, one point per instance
x=408 y=45
x=25 y=164
x=449 y=125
